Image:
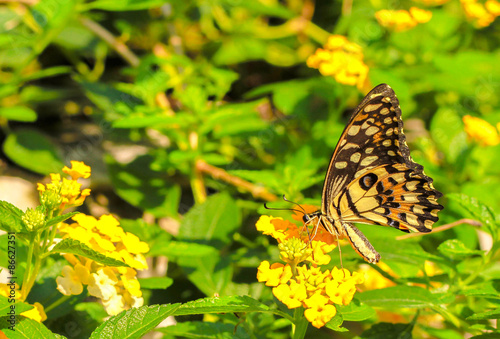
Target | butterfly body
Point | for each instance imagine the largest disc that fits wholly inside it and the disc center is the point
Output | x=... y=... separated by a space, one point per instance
x=372 y=179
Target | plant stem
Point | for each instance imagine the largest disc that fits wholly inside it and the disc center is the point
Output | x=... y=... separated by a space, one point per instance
x=56 y=303
x=219 y=173
x=300 y=323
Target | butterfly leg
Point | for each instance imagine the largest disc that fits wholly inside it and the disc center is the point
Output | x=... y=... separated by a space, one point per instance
x=360 y=243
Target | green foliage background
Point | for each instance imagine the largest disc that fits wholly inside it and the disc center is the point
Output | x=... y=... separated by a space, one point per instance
x=194 y=113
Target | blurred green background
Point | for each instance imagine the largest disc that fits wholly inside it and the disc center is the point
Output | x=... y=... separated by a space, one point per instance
x=192 y=114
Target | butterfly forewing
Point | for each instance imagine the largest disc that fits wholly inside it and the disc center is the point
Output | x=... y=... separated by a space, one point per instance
x=372 y=179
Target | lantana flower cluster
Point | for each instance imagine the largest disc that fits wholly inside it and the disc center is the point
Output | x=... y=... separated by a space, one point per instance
x=482 y=15
x=402 y=20
x=61 y=193
x=481 y=131
x=117 y=287
x=342 y=60
x=300 y=281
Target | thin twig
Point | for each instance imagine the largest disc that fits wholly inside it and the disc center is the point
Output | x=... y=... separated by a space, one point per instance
x=442 y=228
x=219 y=173
x=115 y=43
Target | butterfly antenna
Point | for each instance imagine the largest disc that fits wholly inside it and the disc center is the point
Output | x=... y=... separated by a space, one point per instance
x=282 y=209
x=293 y=202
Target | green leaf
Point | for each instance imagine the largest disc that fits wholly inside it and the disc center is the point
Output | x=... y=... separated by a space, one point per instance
x=198 y=329
x=456 y=250
x=478 y=210
x=135 y=322
x=234 y=119
x=160 y=283
x=448 y=133
x=211 y=274
x=212 y=222
x=34 y=151
x=18 y=113
x=388 y=331
x=26 y=328
x=6 y=307
x=177 y=249
x=336 y=323
x=356 y=311
x=10 y=217
x=487 y=289
x=124 y=5
x=399 y=297
x=76 y=247
x=442 y=333
x=228 y=304
x=493 y=314
x=60 y=218
x=144 y=188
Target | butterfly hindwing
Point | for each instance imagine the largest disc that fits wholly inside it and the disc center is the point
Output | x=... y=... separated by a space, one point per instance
x=392 y=195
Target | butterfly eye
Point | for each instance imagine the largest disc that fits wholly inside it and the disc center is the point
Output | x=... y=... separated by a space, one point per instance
x=306 y=218
x=368 y=181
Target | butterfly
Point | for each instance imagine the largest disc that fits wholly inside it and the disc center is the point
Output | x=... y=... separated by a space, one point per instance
x=372 y=179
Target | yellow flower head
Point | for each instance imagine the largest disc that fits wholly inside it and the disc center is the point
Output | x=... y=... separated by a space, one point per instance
x=482 y=15
x=78 y=170
x=481 y=131
x=67 y=192
x=342 y=60
x=72 y=279
x=308 y=286
x=319 y=311
x=37 y=313
x=402 y=20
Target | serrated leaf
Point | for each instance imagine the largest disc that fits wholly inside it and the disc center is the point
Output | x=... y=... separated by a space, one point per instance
x=10 y=217
x=479 y=210
x=222 y=305
x=76 y=247
x=493 y=314
x=156 y=282
x=388 y=331
x=455 y=249
x=60 y=218
x=399 y=297
x=25 y=328
x=356 y=311
x=134 y=323
x=34 y=151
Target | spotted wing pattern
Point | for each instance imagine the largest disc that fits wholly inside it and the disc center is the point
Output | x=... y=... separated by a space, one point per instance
x=372 y=179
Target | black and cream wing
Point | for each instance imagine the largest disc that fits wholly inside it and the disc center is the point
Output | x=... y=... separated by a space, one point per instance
x=372 y=178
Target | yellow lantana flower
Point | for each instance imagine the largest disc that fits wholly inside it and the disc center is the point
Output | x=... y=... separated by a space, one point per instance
x=402 y=20
x=482 y=15
x=37 y=313
x=297 y=284
x=72 y=279
x=68 y=190
x=78 y=170
x=342 y=60
x=481 y=131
